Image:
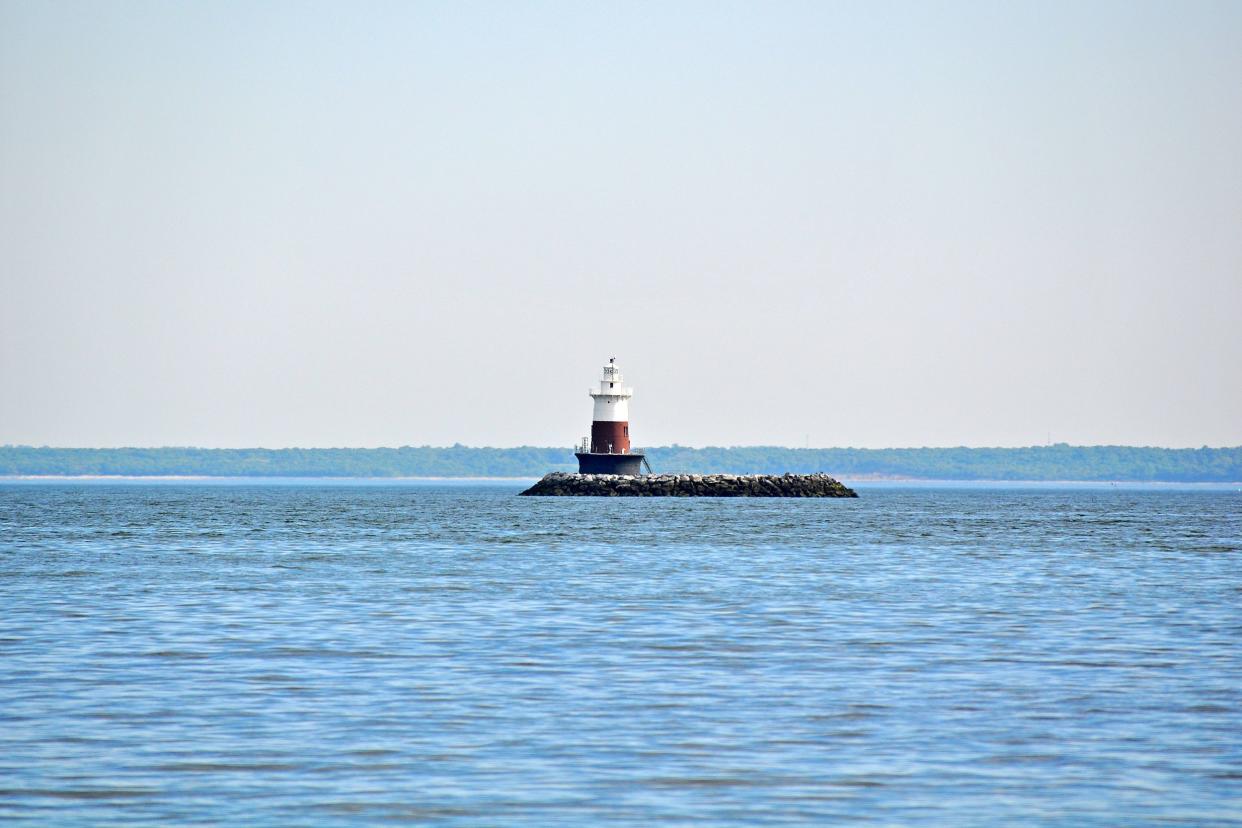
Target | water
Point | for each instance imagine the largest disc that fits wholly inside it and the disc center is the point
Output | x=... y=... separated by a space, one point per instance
x=350 y=655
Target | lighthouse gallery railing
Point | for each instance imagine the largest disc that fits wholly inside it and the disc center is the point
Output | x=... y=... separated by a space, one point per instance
x=584 y=447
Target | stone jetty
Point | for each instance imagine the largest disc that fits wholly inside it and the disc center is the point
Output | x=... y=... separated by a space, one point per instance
x=689 y=485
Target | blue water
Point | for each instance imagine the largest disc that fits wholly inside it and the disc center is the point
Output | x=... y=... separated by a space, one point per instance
x=343 y=655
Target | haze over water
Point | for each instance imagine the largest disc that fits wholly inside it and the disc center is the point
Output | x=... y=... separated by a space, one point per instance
x=456 y=655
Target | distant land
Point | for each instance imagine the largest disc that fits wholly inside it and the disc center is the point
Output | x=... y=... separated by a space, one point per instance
x=1054 y=462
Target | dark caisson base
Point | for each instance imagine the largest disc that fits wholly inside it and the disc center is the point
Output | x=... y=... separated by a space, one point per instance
x=591 y=463
x=690 y=485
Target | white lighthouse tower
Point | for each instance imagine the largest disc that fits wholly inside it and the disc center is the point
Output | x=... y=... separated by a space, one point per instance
x=607 y=450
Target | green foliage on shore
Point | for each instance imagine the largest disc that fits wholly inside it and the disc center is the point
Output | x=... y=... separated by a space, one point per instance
x=1057 y=462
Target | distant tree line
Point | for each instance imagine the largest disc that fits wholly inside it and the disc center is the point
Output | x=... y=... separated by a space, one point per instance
x=1056 y=462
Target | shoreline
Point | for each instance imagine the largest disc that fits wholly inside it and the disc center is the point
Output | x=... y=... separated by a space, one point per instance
x=208 y=478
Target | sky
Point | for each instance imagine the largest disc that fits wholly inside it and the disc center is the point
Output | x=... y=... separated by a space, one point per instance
x=828 y=224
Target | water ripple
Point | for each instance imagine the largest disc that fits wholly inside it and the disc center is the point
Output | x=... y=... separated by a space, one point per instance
x=337 y=655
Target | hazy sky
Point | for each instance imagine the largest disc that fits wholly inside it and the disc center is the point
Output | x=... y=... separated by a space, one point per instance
x=869 y=224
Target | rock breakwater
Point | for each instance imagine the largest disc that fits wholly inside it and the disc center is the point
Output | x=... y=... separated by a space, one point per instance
x=689 y=485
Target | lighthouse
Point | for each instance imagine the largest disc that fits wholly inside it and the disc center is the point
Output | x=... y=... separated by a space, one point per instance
x=607 y=450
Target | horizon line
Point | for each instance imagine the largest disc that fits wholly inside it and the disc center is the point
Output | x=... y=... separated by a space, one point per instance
x=570 y=448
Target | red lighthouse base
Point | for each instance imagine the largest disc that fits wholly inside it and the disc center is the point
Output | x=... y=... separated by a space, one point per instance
x=610 y=437
x=592 y=463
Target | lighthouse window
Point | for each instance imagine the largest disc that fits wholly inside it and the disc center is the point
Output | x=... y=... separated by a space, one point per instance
x=610 y=385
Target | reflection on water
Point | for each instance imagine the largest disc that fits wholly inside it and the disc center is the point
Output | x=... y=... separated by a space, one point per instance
x=277 y=655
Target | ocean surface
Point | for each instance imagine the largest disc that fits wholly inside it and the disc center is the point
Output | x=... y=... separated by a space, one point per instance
x=312 y=654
